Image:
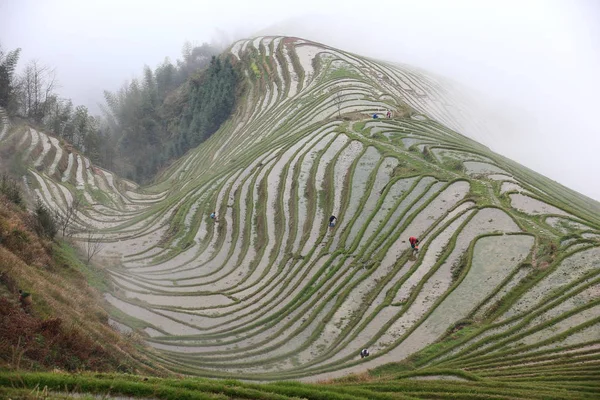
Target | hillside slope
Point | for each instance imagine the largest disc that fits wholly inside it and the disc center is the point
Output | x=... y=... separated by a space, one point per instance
x=505 y=284
x=50 y=318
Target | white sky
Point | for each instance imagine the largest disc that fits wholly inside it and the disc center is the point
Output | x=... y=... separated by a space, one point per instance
x=536 y=62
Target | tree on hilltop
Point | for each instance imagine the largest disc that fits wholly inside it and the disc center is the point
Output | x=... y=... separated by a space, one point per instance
x=8 y=64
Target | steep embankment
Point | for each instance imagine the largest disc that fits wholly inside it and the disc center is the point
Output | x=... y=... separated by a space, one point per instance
x=507 y=274
x=50 y=318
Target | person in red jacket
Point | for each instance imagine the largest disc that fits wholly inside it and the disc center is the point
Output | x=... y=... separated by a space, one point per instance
x=414 y=243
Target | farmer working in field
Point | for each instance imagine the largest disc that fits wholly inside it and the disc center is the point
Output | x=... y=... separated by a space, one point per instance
x=24 y=298
x=414 y=243
x=332 y=221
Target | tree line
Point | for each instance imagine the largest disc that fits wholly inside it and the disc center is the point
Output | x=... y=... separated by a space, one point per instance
x=32 y=95
x=169 y=110
x=145 y=124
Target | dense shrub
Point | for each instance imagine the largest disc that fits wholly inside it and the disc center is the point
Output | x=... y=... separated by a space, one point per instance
x=454 y=165
x=46 y=224
x=18 y=234
x=10 y=188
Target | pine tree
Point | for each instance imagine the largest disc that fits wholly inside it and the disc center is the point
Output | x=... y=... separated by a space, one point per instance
x=8 y=63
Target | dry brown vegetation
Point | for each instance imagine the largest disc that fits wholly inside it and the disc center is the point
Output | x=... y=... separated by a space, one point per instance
x=65 y=326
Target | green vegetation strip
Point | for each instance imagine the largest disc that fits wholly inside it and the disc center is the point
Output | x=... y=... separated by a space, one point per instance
x=24 y=384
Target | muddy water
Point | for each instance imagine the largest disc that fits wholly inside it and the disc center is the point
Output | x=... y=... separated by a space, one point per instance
x=560 y=327
x=533 y=206
x=442 y=203
x=167 y=325
x=319 y=219
x=381 y=180
x=510 y=187
x=341 y=169
x=493 y=259
x=430 y=257
x=565 y=225
x=475 y=167
x=309 y=159
x=569 y=270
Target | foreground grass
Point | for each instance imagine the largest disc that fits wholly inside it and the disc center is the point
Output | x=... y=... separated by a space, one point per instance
x=28 y=385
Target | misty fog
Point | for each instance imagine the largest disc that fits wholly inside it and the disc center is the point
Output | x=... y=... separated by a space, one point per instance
x=531 y=64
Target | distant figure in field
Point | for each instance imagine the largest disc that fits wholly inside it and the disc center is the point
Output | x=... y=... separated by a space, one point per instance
x=332 y=221
x=389 y=114
x=24 y=298
x=414 y=243
x=364 y=353
x=213 y=215
x=375 y=116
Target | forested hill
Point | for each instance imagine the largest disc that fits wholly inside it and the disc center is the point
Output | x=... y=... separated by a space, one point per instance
x=160 y=118
x=145 y=125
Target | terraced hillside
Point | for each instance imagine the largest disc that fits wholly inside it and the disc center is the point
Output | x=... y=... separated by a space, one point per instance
x=506 y=284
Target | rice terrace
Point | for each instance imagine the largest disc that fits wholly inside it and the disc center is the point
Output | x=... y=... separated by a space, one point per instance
x=501 y=300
